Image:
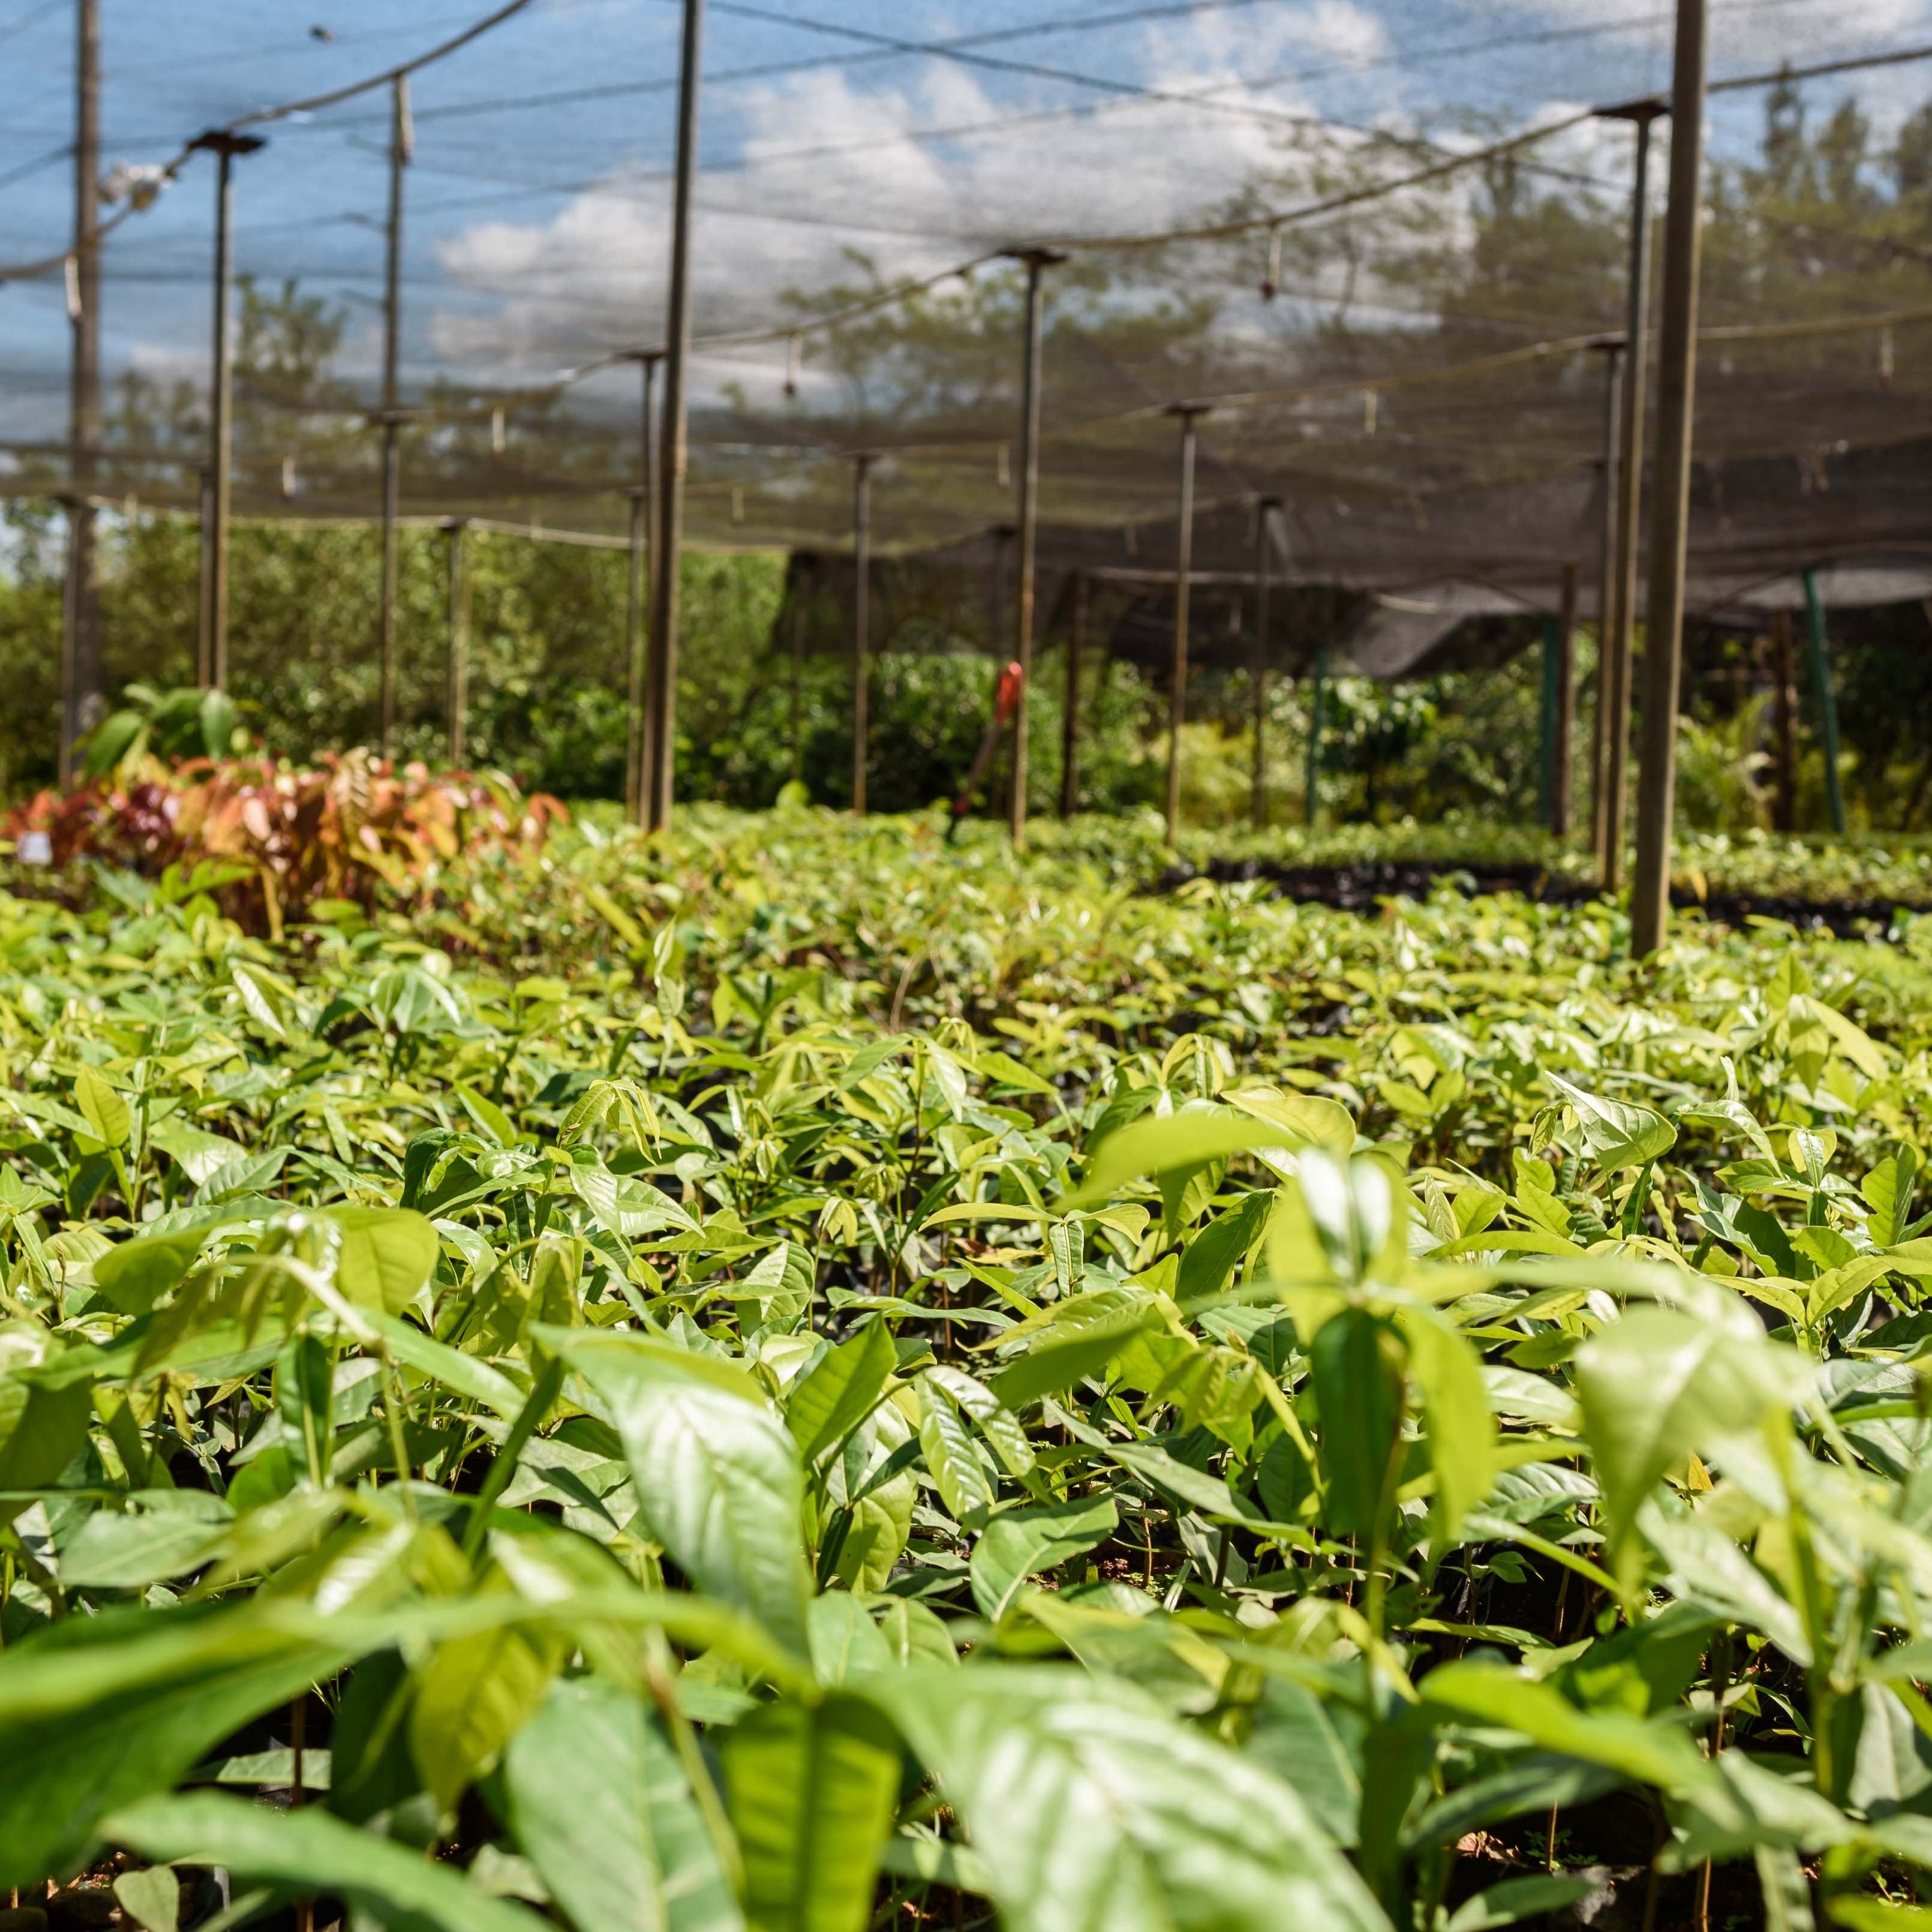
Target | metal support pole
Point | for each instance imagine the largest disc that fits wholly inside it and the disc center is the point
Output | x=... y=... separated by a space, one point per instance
x=636 y=595
x=1606 y=566
x=1035 y=259
x=212 y=657
x=457 y=697
x=797 y=681
x=1630 y=486
x=1189 y=414
x=637 y=734
x=1312 y=783
x=1546 y=763
x=1069 y=716
x=1827 y=699
x=1784 y=725
x=661 y=684
x=392 y=275
x=1562 y=747
x=204 y=632
x=1676 y=384
x=862 y=612
x=1258 y=802
x=81 y=695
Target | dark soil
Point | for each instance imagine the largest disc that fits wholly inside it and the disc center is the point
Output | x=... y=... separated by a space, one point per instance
x=1363 y=887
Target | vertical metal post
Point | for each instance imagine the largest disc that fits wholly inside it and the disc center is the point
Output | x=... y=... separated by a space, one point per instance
x=634 y=732
x=204 y=632
x=214 y=666
x=637 y=734
x=1629 y=485
x=1189 y=414
x=1258 y=802
x=1828 y=698
x=1676 y=384
x=661 y=737
x=1070 y=719
x=1613 y=355
x=212 y=658
x=798 y=679
x=999 y=788
x=862 y=612
x=456 y=696
x=1784 y=725
x=1035 y=259
x=1546 y=763
x=1311 y=782
x=1562 y=748
x=399 y=156
x=81 y=669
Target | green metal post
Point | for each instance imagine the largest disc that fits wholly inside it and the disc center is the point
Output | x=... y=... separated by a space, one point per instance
x=1828 y=698
x=1312 y=784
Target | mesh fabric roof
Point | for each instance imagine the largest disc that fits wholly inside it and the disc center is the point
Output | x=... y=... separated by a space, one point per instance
x=1420 y=392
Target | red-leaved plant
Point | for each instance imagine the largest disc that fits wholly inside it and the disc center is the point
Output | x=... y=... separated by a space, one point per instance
x=281 y=837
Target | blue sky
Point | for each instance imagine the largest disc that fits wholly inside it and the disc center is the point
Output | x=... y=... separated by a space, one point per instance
x=538 y=202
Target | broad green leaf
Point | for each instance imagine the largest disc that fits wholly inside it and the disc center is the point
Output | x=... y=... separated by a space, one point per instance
x=1307 y=1116
x=1070 y=1350
x=43 y=1426
x=1020 y=1542
x=200 y=1155
x=1209 y=1258
x=912 y=1633
x=717 y=1474
x=1648 y=1750
x=170 y=1533
x=1618 y=1133
x=151 y=1897
x=104 y=1111
x=811 y=1789
x=1093 y=1811
x=1001 y=1428
x=310 y=1851
x=1315 y=1746
x=488 y=1115
x=132 y=1275
x=1888 y=1190
x=845 y=1641
x=259 y=1002
x=832 y=1398
x=471 y=1699
x=1854 y=1914
x=1742 y=1803
x=97 y=1711
x=386 y=1255
x=1852 y=1040
x=463 y=1373
x=951 y=1457
x=1786 y=1893
x=1656 y=1384
x=1355 y=1363
x=1515 y=1899
x=1186 y=1139
x=1456 y=1406
x=1707 y=1567
x=601 y=1805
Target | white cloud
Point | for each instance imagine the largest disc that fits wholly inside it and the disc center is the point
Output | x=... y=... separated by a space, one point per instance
x=828 y=170
x=1761 y=32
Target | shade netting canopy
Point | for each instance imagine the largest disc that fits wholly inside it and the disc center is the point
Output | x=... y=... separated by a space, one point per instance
x=1384 y=245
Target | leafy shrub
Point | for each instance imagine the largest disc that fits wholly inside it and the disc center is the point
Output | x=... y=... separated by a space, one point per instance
x=900 y=1377
x=273 y=841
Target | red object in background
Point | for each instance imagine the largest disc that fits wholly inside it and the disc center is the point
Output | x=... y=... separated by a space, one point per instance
x=1006 y=695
